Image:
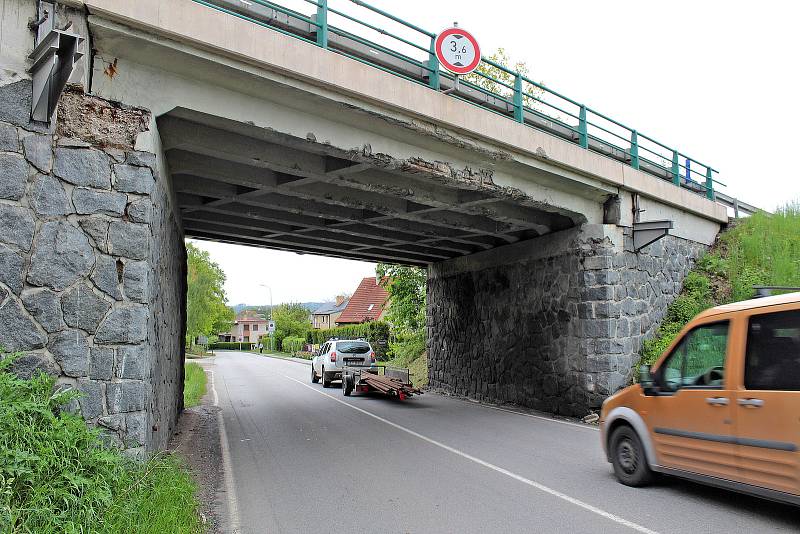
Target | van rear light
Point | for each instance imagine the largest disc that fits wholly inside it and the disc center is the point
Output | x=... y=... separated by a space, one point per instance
x=372 y=357
x=333 y=356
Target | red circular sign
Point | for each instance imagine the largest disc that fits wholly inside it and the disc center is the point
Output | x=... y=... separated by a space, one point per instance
x=458 y=51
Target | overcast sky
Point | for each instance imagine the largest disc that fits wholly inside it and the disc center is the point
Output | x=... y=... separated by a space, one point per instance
x=719 y=80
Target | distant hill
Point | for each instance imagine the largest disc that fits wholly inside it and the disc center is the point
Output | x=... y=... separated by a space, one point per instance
x=237 y=308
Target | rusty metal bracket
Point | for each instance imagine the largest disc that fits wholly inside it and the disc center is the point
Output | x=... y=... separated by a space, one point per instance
x=648 y=232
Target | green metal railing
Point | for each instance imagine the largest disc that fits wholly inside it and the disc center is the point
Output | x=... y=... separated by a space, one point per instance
x=525 y=100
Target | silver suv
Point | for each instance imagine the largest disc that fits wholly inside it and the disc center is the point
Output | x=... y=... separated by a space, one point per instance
x=337 y=353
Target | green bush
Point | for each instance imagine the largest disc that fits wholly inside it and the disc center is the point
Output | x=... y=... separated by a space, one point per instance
x=56 y=475
x=293 y=345
x=232 y=345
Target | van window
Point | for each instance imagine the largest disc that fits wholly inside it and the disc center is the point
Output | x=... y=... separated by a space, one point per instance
x=772 y=361
x=698 y=360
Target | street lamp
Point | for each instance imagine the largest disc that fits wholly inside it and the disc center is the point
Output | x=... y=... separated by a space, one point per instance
x=270 y=314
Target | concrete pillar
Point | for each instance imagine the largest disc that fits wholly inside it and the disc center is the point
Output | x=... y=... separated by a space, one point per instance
x=555 y=323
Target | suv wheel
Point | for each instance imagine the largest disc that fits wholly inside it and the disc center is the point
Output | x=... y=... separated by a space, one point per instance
x=628 y=458
x=326 y=382
x=314 y=377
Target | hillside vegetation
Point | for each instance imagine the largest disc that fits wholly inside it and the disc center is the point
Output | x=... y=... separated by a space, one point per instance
x=760 y=250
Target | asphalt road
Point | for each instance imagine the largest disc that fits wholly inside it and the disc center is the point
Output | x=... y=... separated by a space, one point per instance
x=306 y=459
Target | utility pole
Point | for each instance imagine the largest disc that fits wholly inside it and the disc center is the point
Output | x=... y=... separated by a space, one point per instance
x=270 y=316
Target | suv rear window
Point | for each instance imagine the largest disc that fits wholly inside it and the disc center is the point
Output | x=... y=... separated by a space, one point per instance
x=352 y=347
x=773 y=352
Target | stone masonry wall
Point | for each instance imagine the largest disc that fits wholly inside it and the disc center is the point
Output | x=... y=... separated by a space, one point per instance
x=91 y=265
x=557 y=332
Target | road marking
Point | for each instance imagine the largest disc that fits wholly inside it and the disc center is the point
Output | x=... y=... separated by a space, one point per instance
x=541 y=487
x=227 y=466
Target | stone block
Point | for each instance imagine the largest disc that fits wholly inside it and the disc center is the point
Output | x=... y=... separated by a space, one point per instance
x=106 y=275
x=101 y=363
x=93 y=201
x=17 y=226
x=140 y=211
x=11 y=266
x=62 y=255
x=97 y=229
x=136 y=425
x=45 y=306
x=112 y=422
x=606 y=309
x=129 y=240
x=597 y=262
x=19 y=332
x=83 y=308
x=126 y=323
x=598 y=293
x=141 y=159
x=91 y=399
x=132 y=179
x=83 y=167
x=48 y=198
x=71 y=350
x=39 y=151
x=9 y=138
x=15 y=103
x=132 y=362
x=30 y=364
x=135 y=281
x=13 y=176
x=123 y=397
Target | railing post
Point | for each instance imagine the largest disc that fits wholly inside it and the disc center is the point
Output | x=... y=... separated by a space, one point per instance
x=583 y=127
x=519 y=113
x=433 y=64
x=634 y=149
x=676 y=170
x=709 y=184
x=322 y=20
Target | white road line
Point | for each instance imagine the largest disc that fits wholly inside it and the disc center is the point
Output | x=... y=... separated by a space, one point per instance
x=541 y=487
x=227 y=466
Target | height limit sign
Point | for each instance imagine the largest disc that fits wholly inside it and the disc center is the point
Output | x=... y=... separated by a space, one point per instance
x=458 y=51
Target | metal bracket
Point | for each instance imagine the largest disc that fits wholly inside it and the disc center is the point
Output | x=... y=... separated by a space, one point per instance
x=53 y=61
x=648 y=232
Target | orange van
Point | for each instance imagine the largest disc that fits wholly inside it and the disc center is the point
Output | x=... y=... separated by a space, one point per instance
x=721 y=406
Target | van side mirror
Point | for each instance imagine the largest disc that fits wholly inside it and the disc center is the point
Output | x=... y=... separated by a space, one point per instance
x=646 y=380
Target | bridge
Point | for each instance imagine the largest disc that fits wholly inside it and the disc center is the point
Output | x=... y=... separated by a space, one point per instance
x=554 y=236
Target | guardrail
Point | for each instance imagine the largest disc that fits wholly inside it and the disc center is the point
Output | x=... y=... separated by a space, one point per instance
x=492 y=86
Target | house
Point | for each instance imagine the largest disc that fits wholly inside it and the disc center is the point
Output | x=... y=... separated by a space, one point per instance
x=248 y=328
x=326 y=315
x=368 y=303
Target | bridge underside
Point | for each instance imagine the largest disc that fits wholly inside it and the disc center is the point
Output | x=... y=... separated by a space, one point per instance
x=242 y=184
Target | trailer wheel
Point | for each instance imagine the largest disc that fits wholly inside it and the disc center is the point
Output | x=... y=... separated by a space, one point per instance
x=347 y=384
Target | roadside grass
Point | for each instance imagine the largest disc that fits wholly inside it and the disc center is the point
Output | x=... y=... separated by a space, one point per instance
x=57 y=475
x=763 y=249
x=194 y=385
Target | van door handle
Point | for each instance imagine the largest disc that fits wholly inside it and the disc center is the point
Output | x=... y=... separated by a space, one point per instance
x=717 y=401
x=751 y=403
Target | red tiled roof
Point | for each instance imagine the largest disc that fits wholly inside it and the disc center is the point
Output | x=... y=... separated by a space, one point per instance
x=368 y=293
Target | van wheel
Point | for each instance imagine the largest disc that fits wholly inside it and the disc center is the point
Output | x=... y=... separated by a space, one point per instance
x=326 y=382
x=628 y=458
x=314 y=377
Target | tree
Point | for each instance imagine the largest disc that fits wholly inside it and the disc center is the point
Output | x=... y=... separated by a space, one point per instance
x=501 y=58
x=206 y=312
x=407 y=293
x=291 y=320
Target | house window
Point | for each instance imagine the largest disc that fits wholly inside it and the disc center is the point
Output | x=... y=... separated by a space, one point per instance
x=247 y=328
x=255 y=327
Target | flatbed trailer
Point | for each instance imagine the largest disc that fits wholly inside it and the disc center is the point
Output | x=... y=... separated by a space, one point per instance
x=394 y=382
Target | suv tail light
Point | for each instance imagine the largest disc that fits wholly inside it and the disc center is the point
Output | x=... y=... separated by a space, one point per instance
x=333 y=356
x=372 y=357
